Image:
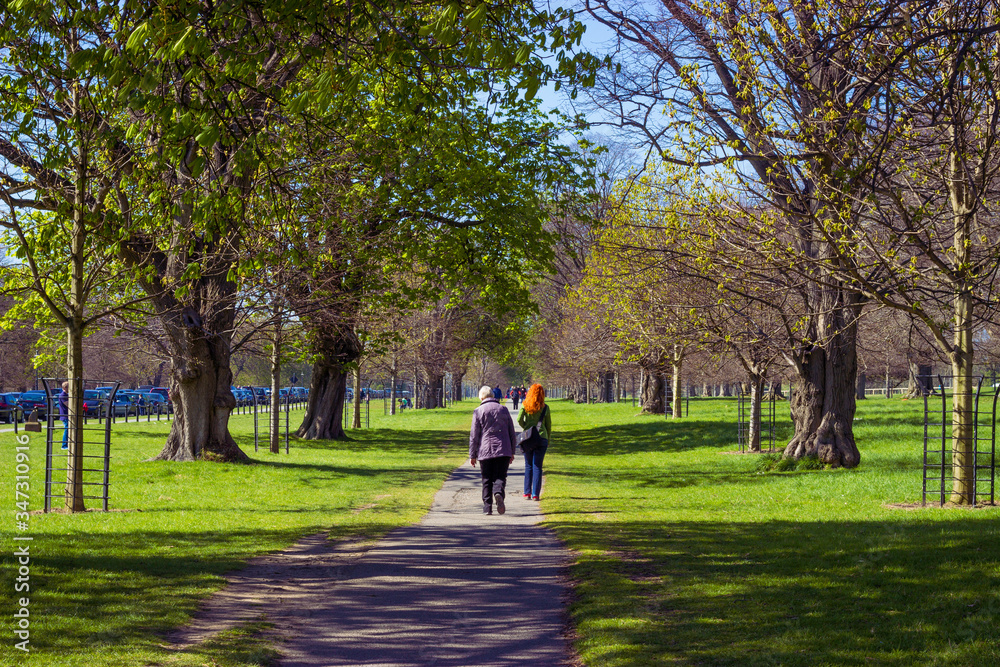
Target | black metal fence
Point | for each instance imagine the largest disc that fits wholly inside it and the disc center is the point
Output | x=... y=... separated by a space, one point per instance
x=747 y=421
x=71 y=422
x=258 y=404
x=939 y=442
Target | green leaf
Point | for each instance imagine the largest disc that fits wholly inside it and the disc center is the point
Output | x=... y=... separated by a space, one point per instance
x=208 y=137
x=523 y=54
x=474 y=19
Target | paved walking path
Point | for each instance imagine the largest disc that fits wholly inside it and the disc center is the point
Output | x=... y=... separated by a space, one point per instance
x=459 y=588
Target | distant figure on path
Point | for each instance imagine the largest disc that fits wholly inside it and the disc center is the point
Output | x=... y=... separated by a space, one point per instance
x=498 y=393
x=491 y=442
x=515 y=396
x=533 y=410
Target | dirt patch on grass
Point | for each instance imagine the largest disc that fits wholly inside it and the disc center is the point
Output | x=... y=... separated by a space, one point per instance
x=937 y=506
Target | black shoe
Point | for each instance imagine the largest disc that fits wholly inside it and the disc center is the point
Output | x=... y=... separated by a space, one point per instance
x=500 y=506
x=488 y=509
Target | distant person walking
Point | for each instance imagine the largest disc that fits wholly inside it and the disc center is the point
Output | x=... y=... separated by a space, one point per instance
x=515 y=396
x=498 y=393
x=491 y=443
x=64 y=413
x=534 y=411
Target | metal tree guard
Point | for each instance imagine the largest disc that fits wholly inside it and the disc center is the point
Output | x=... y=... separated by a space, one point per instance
x=668 y=398
x=765 y=425
x=938 y=462
x=105 y=469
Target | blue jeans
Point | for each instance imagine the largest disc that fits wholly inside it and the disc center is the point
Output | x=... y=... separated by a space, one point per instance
x=533 y=470
x=65 y=434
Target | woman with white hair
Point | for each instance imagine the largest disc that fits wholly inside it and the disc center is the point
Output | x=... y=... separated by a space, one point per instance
x=491 y=443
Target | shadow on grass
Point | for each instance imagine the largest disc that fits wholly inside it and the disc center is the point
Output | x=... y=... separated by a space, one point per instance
x=788 y=593
x=427 y=442
x=85 y=584
x=650 y=435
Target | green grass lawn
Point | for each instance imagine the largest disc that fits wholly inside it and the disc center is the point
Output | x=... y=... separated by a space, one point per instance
x=106 y=586
x=686 y=553
x=689 y=555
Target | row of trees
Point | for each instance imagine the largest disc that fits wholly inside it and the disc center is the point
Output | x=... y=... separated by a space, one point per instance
x=807 y=164
x=194 y=171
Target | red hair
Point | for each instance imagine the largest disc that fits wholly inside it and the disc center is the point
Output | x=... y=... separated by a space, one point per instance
x=535 y=400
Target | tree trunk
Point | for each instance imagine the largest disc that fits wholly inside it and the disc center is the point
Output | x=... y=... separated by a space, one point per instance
x=200 y=382
x=456 y=386
x=328 y=388
x=435 y=389
x=417 y=394
x=774 y=391
x=392 y=389
x=962 y=428
x=651 y=391
x=608 y=387
x=676 y=389
x=356 y=421
x=74 y=337
x=325 y=410
x=963 y=447
x=75 y=461
x=756 y=383
x=274 y=417
x=919 y=380
x=859 y=392
x=158 y=376
x=727 y=389
x=823 y=402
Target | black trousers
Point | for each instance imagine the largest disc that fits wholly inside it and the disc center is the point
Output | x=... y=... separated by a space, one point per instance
x=494 y=473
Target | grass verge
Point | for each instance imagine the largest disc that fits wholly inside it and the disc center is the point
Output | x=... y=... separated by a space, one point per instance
x=687 y=554
x=105 y=587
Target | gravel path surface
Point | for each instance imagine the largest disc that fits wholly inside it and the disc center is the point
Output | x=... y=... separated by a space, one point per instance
x=459 y=588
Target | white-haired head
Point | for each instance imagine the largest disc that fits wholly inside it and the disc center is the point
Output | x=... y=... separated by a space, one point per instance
x=485 y=392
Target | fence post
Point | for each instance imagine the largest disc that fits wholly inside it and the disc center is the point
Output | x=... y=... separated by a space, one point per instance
x=256 y=440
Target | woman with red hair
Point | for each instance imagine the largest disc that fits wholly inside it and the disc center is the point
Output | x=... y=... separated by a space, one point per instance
x=534 y=411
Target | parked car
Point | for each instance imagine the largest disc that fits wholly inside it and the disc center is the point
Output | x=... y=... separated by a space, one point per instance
x=93 y=402
x=8 y=408
x=242 y=395
x=165 y=393
x=33 y=400
x=154 y=403
x=134 y=399
x=122 y=406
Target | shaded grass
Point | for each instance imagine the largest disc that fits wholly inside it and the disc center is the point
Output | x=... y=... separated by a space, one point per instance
x=687 y=555
x=106 y=586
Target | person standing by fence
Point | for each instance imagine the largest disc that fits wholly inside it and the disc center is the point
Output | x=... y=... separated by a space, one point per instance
x=534 y=411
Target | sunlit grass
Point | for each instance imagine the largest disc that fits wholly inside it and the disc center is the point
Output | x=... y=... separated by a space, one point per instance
x=687 y=555
x=105 y=587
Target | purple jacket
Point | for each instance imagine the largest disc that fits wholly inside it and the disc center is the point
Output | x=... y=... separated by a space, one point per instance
x=63 y=399
x=492 y=434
